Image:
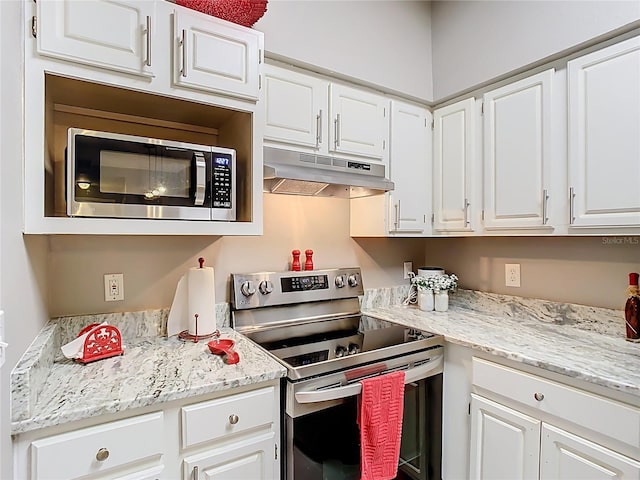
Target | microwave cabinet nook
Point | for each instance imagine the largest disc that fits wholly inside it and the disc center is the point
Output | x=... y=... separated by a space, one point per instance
x=75 y=69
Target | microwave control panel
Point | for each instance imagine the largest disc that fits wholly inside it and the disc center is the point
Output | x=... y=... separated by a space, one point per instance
x=222 y=185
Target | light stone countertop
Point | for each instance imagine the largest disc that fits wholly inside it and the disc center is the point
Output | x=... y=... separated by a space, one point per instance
x=585 y=343
x=582 y=342
x=153 y=370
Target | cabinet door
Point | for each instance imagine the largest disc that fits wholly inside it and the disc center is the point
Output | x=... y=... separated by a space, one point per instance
x=517 y=148
x=216 y=56
x=566 y=456
x=255 y=458
x=604 y=128
x=409 y=168
x=295 y=108
x=359 y=123
x=453 y=155
x=113 y=34
x=505 y=444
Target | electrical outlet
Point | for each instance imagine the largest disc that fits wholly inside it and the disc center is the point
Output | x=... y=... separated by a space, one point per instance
x=408 y=267
x=512 y=274
x=113 y=287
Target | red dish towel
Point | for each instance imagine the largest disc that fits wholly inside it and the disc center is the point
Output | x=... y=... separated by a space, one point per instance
x=380 y=420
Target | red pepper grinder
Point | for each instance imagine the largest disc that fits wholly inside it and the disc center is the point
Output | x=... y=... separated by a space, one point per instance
x=308 y=264
x=632 y=309
x=295 y=264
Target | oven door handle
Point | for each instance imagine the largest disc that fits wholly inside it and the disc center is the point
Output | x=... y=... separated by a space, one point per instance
x=411 y=375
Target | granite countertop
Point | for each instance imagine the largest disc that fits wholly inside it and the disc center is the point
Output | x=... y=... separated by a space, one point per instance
x=585 y=343
x=582 y=342
x=153 y=370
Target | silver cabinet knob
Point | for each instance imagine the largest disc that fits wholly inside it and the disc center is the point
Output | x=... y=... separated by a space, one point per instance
x=233 y=419
x=248 y=288
x=102 y=455
x=538 y=396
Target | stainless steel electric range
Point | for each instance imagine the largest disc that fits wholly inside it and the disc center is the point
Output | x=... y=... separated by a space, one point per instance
x=311 y=322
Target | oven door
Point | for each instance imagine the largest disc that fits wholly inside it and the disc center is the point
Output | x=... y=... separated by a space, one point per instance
x=122 y=176
x=322 y=435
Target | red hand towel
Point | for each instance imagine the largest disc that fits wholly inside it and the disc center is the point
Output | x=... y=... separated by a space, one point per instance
x=380 y=420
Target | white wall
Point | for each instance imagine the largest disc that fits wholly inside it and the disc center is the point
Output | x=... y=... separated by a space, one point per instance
x=386 y=43
x=23 y=270
x=476 y=41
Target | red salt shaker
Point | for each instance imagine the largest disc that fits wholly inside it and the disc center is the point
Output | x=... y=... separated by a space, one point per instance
x=308 y=264
x=295 y=264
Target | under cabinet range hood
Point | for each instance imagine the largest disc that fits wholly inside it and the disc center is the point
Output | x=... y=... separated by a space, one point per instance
x=296 y=173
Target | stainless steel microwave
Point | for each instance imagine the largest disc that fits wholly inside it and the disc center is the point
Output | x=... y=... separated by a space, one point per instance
x=125 y=176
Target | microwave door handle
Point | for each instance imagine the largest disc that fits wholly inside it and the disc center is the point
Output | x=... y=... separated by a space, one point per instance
x=411 y=375
x=201 y=178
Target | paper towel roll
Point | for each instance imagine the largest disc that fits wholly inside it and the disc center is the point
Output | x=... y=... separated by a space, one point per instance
x=201 y=300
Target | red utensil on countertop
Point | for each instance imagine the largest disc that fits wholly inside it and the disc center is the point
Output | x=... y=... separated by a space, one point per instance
x=224 y=346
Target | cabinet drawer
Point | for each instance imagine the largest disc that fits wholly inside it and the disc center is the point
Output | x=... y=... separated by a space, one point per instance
x=76 y=454
x=212 y=420
x=608 y=417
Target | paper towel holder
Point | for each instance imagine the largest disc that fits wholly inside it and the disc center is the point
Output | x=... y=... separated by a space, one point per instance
x=185 y=335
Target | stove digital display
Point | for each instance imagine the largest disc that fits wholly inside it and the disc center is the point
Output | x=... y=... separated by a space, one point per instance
x=307 y=358
x=302 y=283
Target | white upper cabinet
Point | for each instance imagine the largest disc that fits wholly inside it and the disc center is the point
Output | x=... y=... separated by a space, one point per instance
x=216 y=56
x=359 y=123
x=453 y=175
x=604 y=137
x=410 y=169
x=517 y=153
x=112 y=34
x=296 y=108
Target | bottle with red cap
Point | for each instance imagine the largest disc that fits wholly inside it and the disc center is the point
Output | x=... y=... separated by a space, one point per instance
x=632 y=309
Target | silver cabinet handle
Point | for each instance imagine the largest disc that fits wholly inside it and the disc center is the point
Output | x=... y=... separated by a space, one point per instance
x=466 y=212
x=201 y=181
x=336 y=124
x=319 y=128
x=397 y=220
x=102 y=455
x=147 y=32
x=545 y=199
x=196 y=473
x=572 y=196
x=538 y=396
x=183 y=48
x=233 y=419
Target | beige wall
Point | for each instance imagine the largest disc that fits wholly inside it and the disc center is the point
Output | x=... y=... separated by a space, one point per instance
x=152 y=266
x=586 y=270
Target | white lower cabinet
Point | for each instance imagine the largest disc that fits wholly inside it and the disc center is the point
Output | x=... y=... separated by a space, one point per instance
x=227 y=437
x=568 y=456
x=534 y=428
x=504 y=443
x=251 y=459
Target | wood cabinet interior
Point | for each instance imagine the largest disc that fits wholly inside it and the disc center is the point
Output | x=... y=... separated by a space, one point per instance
x=81 y=104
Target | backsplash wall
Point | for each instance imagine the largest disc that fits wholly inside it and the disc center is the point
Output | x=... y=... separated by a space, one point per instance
x=152 y=265
x=585 y=270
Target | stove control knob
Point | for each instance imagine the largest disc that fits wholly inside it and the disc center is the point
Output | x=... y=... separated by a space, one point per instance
x=354 y=348
x=266 y=287
x=353 y=281
x=340 y=351
x=248 y=288
x=340 y=281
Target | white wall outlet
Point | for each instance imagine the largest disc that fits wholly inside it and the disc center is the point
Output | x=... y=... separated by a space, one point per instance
x=408 y=267
x=113 y=287
x=512 y=274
